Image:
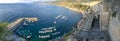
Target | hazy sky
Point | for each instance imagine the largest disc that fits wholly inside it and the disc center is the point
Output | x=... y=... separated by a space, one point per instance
x=25 y=1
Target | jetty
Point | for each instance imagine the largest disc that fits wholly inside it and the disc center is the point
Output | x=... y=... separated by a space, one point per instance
x=12 y=26
x=16 y=25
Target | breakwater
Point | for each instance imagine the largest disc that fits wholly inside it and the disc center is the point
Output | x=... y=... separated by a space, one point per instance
x=19 y=22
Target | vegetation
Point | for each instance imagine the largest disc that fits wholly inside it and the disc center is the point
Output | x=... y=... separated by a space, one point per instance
x=2 y=29
x=70 y=0
x=78 y=6
x=86 y=1
x=75 y=4
x=2 y=26
x=81 y=5
x=113 y=14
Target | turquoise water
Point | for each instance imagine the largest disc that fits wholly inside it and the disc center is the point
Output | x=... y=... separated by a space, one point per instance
x=60 y=19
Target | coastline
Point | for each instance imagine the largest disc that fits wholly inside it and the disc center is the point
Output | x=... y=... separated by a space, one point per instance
x=77 y=11
x=12 y=26
x=80 y=24
x=73 y=9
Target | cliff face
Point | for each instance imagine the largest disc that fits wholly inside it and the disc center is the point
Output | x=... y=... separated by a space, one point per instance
x=102 y=11
x=114 y=26
x=109 y=11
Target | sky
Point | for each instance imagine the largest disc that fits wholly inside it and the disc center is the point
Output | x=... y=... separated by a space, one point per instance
x=21 y=1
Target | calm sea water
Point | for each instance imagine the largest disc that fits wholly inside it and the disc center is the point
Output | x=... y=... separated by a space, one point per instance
x=61 y=19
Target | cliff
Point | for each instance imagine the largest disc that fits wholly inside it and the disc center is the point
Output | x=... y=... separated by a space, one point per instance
x=109 y=10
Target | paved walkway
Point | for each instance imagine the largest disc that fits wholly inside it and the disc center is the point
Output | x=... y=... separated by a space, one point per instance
x=94 y=34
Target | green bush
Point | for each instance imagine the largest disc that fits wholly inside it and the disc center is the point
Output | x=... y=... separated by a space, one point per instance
x=114 y=13
x=2 y=30
x=2 y=26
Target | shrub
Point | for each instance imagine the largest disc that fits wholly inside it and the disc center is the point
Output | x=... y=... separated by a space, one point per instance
x=114 y=13
x=2 y=26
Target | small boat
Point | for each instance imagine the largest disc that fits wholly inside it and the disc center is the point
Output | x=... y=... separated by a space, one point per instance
x=46 y=36
x=54 y=29
x=45 y=31
x=25 y=23
x=58 y=16
x=28 y=36
x=55 y=33
x=63 y=17
x=55 y=22
x=49 y=28
x=42 y=32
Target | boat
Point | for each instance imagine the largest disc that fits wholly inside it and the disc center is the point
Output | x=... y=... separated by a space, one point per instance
x=25 y=23
x=46 y=36
x=46 y=31
x=55 y=33
x=54 y=29
x=49 y=31
x=58 y=16
x=63 y=17
x=55 y=22
x=49 y=28
x=28 y=36
x=42 y=32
